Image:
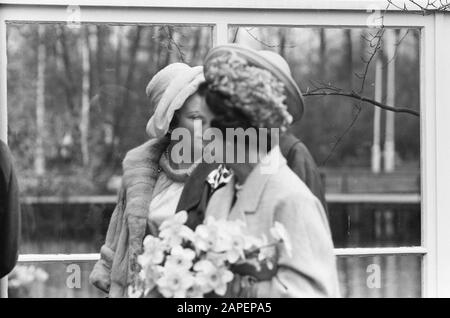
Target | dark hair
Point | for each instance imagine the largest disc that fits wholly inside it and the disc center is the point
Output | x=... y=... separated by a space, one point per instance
x=174 y=122
x=226 y=116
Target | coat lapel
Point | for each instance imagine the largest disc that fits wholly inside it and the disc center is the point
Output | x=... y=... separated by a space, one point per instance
x=221 y=201
x=192 y=192
x=253 y=188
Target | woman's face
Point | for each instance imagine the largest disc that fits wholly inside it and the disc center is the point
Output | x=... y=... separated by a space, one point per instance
x=194 y=109
x=195 y=115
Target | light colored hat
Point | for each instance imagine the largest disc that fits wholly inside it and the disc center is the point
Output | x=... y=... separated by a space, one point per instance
x=168 y=91
x=275 y=64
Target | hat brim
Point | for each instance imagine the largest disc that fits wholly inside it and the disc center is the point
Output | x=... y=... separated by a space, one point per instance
x=294 y=98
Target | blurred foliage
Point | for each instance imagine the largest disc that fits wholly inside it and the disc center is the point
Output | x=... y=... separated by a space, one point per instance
x=336 y=57
x=122 y=60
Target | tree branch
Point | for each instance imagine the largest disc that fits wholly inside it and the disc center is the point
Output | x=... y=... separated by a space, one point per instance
x=329 y=90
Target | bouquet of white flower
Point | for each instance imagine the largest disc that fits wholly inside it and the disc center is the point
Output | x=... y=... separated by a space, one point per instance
x=25 y=281
x=183 y=263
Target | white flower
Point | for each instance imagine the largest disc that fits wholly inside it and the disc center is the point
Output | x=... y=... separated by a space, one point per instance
x=195 y=291
x=206 y=238
x=279 y=232
x=264 y=250
x=236 y=250
x=221 y=236
x=26 y=275
x=41 y=275
x=218 y=259
x=148 y=276
x=173 y=231
x=175 y=283
x=134 y=292
x=180 y=258
x=154 y=251
x=212 y=277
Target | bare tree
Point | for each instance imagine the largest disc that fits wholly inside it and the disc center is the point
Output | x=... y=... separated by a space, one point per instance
x=39 y=160
x=424 y=8
x=132 y=65
x=85 y=94
x=68 y=80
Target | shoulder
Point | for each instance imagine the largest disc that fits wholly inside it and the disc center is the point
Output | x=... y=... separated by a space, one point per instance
x=287 y=185
x=140 y=165
x=293 y=200
x=149 y=151
x=292 y=147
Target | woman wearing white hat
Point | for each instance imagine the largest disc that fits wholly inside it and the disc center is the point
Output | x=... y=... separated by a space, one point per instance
x=152 y=183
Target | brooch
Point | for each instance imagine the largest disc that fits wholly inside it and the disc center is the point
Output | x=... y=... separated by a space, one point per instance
x=219 y=177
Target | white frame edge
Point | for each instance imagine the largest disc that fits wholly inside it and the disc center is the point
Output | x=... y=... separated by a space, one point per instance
x=435 y=116
x=360 y=251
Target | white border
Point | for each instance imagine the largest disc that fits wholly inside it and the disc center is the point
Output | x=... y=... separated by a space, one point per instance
x=370 y=251
x=330 y=198
x=335 y=5
x=435 y=115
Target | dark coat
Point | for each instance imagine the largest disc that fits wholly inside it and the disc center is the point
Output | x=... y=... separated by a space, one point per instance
x=9 y=212
x=196 y=192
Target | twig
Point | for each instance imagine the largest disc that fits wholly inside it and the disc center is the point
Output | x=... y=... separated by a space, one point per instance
x=429 y=8
x=365 y=99
x=177 y=46
x=338 y=141
x=264 y=43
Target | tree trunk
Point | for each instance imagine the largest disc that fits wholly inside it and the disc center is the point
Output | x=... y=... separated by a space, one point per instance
x=85 y=98
x=160 y=41
x=322 y=52
x=282 y=45
x=69 y=84
x=100 y=57
x=168 y=32
x=39 y=160
x=118 y=58
x=348 y=58
x=132 y=58
x=389 y=143
x=376 y=149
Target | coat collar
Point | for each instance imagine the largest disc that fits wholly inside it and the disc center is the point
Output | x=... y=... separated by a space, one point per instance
x=256 y=182
x=140 y=171
x=221 y=203
x=192 y=192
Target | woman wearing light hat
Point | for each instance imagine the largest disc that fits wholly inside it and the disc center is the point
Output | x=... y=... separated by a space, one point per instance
x=152 y=183
x=242 y=93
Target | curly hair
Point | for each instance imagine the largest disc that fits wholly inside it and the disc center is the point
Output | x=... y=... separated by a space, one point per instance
x=228 y=117
x=245 y=91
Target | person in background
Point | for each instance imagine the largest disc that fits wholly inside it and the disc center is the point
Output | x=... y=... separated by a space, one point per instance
x=197 y=191
x=9 y=212
x=152 y=182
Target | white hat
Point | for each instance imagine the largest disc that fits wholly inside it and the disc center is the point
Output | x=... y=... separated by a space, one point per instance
x=168 y=91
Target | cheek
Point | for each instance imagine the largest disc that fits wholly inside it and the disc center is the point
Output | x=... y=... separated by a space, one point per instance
x=186 y=123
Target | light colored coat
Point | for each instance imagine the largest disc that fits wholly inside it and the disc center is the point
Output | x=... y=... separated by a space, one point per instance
x=280 y=196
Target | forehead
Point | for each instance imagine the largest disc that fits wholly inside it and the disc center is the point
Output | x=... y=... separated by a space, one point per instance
x=193 y=103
